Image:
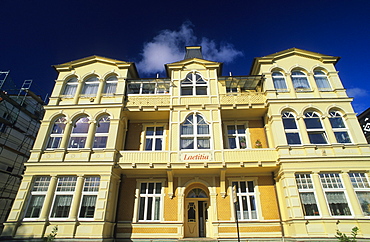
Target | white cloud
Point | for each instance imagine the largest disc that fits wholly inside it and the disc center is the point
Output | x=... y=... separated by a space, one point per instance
x=169 y=46
x=357 y=92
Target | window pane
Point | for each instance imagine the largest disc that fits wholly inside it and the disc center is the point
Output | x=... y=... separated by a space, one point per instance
x=148 y=88
x=159 y=131
x=133 y=88
x=187 y=143
x=338 y=203
x=158 y=187
x=242 y=142
x=201 y=90
x=148 y=144
x=81 y=125
x=337 y=122
x=150 y=131
x=313 y=123
x=293 y=138
x=317 y=138
x=364 y=199
x=186 y=91
x=62 y=205
x=149 y=208
x=100 y=142
x=88 y=206
x=143 y=188
x=231 y=129
x=309 y=204
x=35 y=205
x=241 y=129
x=54 y=142
x=158 y=144
x=77 y=142
x=342 y=137
x=203 y=143
x=232 y=143
x=289 y=123
x=142 y=208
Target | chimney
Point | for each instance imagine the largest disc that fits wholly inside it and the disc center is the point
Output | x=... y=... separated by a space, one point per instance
x=193 y=52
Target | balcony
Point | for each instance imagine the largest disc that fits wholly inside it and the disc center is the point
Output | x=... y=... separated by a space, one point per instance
x=248 y=98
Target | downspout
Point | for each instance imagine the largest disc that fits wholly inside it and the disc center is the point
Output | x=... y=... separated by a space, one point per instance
x=117 y=208
x=277 y=200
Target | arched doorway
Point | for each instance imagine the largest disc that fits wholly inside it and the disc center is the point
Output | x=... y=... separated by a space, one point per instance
x=196 y=212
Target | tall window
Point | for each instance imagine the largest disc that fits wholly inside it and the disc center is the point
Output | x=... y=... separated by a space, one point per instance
x=321 y=81
x=63 y=197
x=56 y=133
x=245 y=200
x=101 y=133
x=279 y=82
x=307 y=194
x=89 y=195
x=153 y=138
x=193 y=84
x=195 y=133
x=361 y=185
x=91 y=86
x=315 y=130
x=339 y=128
x=334 y=192
x=236 y=136
x=291 y=129
x=300 y=81
x=150 y=201
x=79 y=133
x=70 y=87
x=110 y=86
x=38 y=193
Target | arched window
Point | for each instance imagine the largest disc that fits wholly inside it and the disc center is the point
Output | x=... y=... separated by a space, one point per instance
x=315 y=130
x=193 y=84
x=197 y=193
x=110 y=85
x=291 y=129
x=322 y=81
x=300 y=81
x=279 y=81
x=79 y=133
x=70 y=87
x=338 y=126
x=101 y=133
x=56 y=133
x=90 y=87
x=195 y=133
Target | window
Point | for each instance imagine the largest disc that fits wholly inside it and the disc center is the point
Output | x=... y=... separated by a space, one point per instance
x=150 y=201
x=334 y=192
x=90 y=87
x=291 y=129
x=307 y=194
x=339 y=128
x=236 y=136
x=89 y=195
x=56 y=133
x=195 y=133
x=70 y=87
x=63 y=197
x=245 y=200
x=361 y=186
x=79 y=133
x=153 y=138
x=193 y=84
x=101 y=133
x=38 y=193
x=300 y=81
x=279 y=82
x=148 y=87
x=110 y=86
x=321 y=81
x=315 y=130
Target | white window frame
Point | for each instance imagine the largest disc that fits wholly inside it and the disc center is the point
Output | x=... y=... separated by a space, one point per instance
x=332 y=183
x=360 y=183
x=70 y=87
x=56 y=133
x=236 y=136
x=160 y=88
x=154 y=136
x=239 y=196
x=90 y=87
x=305 y=185
x=99 y=134
x=313 y=131
x=110 y=87
x=78 y=136
x=90 y=188
x=39 y=188
x=195 y=136
x=319 y=75
x=139 y=195
x=66 y=186
x=278 y=77
x=290 y=115
x=299 y=78
x=190 y=83
x=337 y=130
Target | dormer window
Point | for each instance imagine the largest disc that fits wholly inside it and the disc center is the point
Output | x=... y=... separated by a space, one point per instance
x=193 y=84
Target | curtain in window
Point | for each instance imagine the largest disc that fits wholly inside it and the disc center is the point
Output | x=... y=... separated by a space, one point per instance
x=321 y=80
x=336 y=197
x=203 y=143
x=35 y=206
x=110 y=87
x=307 y=198
x=187 y=143
x=89 y=201
x=70 y=88
x=91 y=86
x=279 y=81
x=364 y=199
x=300 y=80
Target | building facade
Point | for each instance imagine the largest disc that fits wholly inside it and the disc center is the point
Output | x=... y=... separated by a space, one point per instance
x=364 y=120
x=21 y=112
x=124 y=158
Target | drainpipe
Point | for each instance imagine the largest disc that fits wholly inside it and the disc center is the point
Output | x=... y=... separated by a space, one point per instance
x=277 y=200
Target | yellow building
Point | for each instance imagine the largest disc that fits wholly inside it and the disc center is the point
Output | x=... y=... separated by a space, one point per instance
x=130 y=159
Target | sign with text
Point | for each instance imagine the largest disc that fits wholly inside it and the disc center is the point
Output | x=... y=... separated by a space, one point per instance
x=195 y=156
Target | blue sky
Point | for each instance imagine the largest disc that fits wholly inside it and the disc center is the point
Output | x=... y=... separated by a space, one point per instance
x=35 y=35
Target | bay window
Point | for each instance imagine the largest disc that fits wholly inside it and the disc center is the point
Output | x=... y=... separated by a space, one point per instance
x=307 y=194
x=38 y=193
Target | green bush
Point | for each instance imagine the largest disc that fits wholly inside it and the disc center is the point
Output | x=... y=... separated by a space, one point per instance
x=344 y=238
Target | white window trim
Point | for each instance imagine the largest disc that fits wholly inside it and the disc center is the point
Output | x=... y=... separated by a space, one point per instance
x=86 y=82
x=317 y=130
x=309 y=190
x=292 y=131
x=135 y=217
x=340 y=129
x=361 y=189
x=256 y=197
x=328 y=89
x=196 y=136
x=309 y=89
x=101 y=134
x=81 y=135
x=156 y=88
x=35 y=193
x=143 y=136
x=247 y=134
x=56 y=193
x=60 y=135
x=281 y=77
x=96 y=193
x=194 y=84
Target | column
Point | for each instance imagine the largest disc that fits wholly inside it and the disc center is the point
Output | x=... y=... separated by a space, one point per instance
x=65 y=138
x=352 y=196
x=73 y=215
x=78 y=91
x=48 y=198
x=302 y=130
x=90 y=134
x=100 y=91
x=321 y=203
x=328 y=130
